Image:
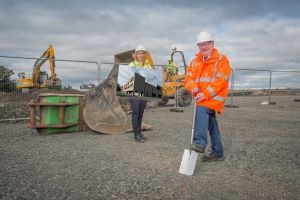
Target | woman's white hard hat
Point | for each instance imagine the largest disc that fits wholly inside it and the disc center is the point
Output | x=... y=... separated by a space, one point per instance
x=140 y=48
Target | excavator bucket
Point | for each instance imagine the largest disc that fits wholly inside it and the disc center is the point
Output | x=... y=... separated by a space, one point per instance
x=103 y=111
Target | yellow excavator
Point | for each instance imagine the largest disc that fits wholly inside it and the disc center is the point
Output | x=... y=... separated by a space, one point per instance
x=40 y=79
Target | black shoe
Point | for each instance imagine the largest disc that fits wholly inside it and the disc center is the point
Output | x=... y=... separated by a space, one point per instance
x=212 y=157
x=139 y=139
x=143 y=137
x=200 y=148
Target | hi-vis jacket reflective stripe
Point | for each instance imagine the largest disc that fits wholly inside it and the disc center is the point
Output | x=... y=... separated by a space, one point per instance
x=135 y=63
x=211 y=77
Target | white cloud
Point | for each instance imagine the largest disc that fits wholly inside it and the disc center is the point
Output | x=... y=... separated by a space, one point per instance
x=252 y=34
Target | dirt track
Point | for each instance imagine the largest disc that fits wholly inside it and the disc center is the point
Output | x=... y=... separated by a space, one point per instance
x=261 y=144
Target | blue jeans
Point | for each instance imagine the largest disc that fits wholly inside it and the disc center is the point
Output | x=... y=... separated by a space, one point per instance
x=206 y=122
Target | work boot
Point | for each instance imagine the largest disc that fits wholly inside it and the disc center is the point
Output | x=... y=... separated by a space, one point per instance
x=212 y=157
x=200 y=148
x=139 y=139
x=143 y=137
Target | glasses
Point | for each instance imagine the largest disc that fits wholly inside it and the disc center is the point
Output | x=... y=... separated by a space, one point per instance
x=204 y=44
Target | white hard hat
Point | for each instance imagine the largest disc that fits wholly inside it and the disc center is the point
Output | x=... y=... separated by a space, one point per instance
x=204 y=37
x=140 y=48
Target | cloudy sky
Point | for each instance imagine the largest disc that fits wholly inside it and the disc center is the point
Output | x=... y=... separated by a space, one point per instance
x=253 y=34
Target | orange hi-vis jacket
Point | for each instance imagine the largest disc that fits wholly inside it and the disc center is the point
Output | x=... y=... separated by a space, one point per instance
x=211 y=77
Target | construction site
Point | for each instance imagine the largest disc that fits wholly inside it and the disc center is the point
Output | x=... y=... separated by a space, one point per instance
x=59 y=142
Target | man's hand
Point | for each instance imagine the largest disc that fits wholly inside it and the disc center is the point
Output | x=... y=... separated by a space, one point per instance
x=199 y=97
x=194 y=91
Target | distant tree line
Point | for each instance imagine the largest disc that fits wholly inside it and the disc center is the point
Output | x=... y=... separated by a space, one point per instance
x=6 y=85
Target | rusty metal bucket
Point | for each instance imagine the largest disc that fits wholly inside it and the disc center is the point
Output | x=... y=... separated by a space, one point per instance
x=57 y=113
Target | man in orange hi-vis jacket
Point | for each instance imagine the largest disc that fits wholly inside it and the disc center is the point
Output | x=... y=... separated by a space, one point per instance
x=207 y=80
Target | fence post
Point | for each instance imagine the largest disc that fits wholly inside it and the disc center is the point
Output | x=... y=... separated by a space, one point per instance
x=231 y=91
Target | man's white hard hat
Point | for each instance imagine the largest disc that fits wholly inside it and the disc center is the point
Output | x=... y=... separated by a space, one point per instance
x=140 y=48
x=204 y=37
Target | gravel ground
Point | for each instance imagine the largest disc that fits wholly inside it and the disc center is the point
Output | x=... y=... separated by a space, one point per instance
x=261 y=144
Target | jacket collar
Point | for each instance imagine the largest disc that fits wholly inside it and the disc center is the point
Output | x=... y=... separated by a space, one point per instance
x=213 y=58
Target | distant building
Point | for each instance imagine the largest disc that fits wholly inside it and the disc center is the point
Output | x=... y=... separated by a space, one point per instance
x=86 y=87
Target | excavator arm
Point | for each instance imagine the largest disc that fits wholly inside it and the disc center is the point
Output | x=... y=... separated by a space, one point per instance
x=47 y=55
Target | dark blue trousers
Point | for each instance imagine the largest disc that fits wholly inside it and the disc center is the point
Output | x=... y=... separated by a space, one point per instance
x=138 y=107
